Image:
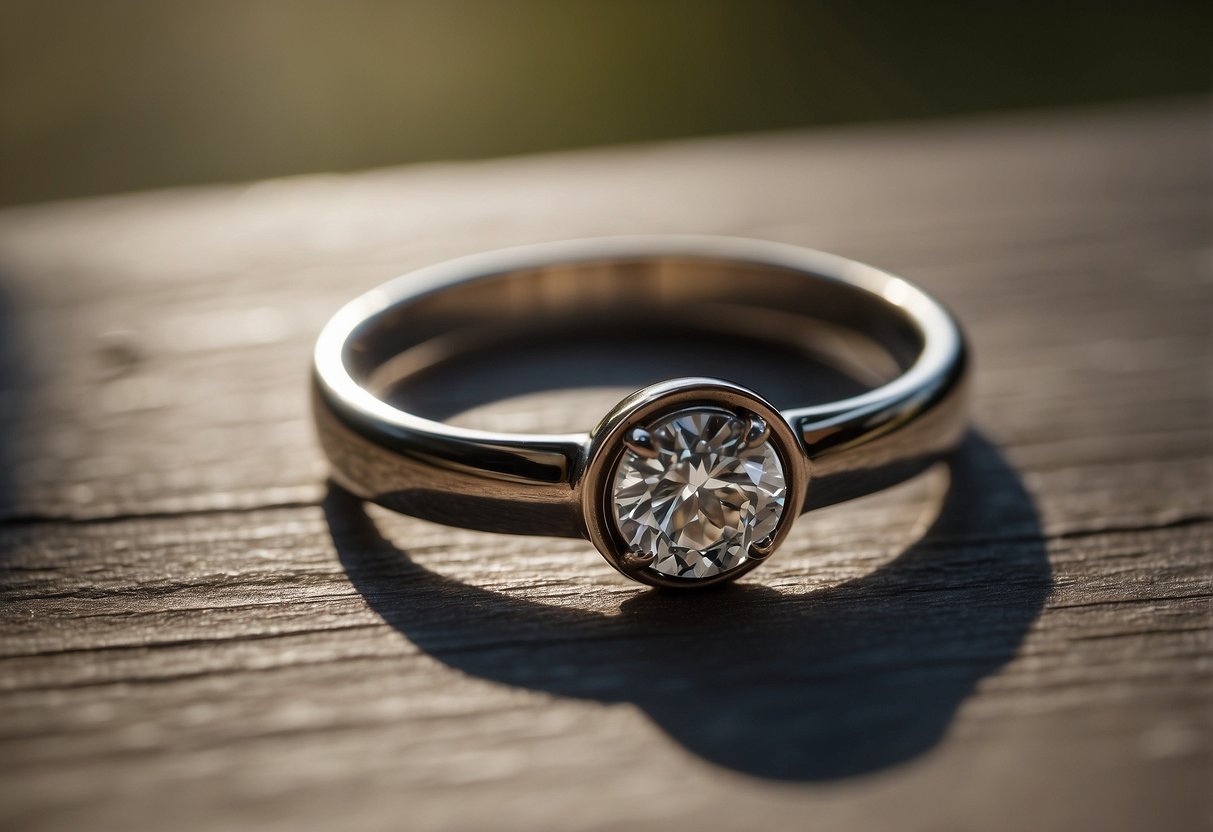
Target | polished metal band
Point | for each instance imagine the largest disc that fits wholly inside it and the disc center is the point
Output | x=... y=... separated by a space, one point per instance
x=533 y=484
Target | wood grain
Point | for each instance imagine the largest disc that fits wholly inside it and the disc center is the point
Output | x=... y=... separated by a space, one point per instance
x=199 y=634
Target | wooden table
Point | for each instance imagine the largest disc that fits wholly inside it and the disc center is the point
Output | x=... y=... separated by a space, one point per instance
x=198 y=634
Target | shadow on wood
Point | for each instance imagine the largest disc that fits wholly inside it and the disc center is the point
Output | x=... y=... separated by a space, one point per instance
x=818 y=685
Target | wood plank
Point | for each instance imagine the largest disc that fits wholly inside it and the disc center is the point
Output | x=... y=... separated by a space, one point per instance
x=176 y=341
x=198 y=635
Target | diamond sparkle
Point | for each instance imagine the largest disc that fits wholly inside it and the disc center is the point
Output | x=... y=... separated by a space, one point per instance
x=705 y=489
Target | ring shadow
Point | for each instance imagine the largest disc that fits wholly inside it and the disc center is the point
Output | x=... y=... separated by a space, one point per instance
x=803 y=686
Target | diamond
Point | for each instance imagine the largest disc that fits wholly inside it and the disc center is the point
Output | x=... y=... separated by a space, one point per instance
x=697 y=489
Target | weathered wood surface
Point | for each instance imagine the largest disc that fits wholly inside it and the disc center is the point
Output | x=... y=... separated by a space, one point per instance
x=196 y=635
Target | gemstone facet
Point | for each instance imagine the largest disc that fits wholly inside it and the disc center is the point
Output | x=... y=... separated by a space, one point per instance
x=696 y=489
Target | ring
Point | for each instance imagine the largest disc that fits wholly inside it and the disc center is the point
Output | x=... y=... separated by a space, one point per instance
x=685 y=483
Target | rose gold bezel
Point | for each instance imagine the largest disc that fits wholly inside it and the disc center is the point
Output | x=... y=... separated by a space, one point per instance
x=642 y=409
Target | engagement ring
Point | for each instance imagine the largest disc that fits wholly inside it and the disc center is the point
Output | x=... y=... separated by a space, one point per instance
x=688 y=482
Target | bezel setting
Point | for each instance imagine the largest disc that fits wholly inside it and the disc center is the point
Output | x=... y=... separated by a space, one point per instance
x=626 y=430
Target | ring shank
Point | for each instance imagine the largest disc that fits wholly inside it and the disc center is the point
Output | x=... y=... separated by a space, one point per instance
x=529 y=484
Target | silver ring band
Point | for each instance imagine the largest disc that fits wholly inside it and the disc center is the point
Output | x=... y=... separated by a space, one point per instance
x=560 y=485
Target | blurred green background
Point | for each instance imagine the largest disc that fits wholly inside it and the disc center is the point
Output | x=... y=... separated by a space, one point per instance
x=115 y=95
